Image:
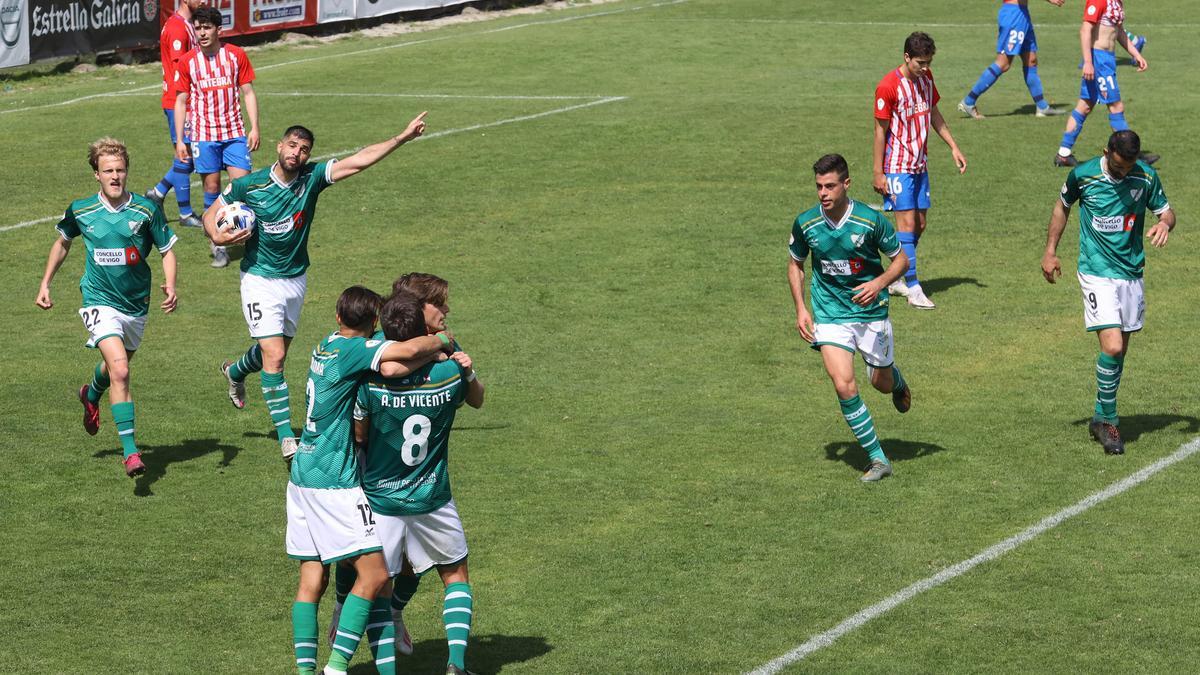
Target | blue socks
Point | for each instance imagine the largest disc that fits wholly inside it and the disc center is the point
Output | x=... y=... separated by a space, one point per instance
x=986 y=80
x=1069 y=137
x=1034 y=82
x=209 y=198
x=1117 y=121
x=179 y=178
x=908 y=242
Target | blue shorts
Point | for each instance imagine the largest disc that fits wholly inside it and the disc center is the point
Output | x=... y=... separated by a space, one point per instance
x=907 y=191
x=187 y=127
x=1104 y=87
x=1016 y=31
x=212 y=156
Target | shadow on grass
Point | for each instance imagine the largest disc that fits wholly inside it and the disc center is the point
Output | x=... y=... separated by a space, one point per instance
x=1133 y=426
x=935 y=286
x=158 y=457
x=897 y=451
x=486 y=654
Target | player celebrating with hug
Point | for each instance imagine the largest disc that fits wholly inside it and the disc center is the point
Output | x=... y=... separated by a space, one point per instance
x=849 y=299
x=1113 y=191
x=118 y=228
x=274 y=276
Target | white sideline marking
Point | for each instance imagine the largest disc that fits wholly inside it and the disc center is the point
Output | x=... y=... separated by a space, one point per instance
x=991 y=553
x=368 y=50
x=892 y=24
x=436 y=134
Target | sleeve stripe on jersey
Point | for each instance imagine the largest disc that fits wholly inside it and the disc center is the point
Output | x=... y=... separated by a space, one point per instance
x=893 y=253
x=329 y=171
x=799 y=260
x=1166 y=207
x=167 y=247
x=63 y=234
x=431 y=388
x=379 y=354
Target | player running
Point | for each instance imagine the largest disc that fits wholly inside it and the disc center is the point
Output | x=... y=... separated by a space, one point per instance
x=213 y=80
x=849 y=299
x=405 y=424
x=1113 y=192
x=905 y=109
x=328 y=516
x=1103 y=27
x=1015 y=37
x=274 y=269
x=118 y=229
x=177 y=39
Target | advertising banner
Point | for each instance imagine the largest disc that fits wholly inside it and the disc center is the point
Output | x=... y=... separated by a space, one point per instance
x=332 y=10
x=368 y=8
x=69 y=27
x=272 y=12
x=14 y=33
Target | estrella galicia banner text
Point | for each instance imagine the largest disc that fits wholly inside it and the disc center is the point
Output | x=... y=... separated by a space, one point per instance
x=69 y=27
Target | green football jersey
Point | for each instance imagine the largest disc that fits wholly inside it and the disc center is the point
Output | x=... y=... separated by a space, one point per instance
x=117 y=241
x=1112 y=216
x=844 y=255
x=410 y=419
x=278 y=249
x=325 y=454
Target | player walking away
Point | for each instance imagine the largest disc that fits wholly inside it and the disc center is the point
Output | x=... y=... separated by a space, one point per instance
x=1103 y=26
x=274 y=268
x=328 y=517
x=849 y=299
x=177 y=39
x=1015 y=37
x=905 y=108
x=433 y=294
x=1113 y=192
x=213 y=80
x=405 y=423
x=118 y=229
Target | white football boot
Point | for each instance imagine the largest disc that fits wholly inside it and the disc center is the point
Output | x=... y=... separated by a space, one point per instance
x=918 y=299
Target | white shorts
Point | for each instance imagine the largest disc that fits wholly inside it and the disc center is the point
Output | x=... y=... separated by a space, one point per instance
x=1112 y=303
x=272 y=306
x=329 y=524
x=434 y=538
x=102 y=322
x=872 y=339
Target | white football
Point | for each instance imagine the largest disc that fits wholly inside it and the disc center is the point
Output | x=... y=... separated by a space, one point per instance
x=236 y=216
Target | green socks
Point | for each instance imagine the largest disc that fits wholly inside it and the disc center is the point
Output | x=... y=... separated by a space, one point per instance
x=898 y=383
x=350 y=628
x=304 y=633
x=1108 y=378
x=99 y=383
x=863 y=426
x=381 y=634
x=456 y=615
x=250 y=362
x=123 y=417
x=275 y=393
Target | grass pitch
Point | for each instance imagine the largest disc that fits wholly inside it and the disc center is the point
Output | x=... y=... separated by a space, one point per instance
x=660 y=480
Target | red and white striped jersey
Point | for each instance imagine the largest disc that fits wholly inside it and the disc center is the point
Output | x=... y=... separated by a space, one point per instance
x=1104 y=12
x=213 y=87
x=176 y=39
x=908 y=104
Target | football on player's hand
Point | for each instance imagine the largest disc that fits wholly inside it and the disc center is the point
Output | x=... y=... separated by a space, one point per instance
x=235 y=216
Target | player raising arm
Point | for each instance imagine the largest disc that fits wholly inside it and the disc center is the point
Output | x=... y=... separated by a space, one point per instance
x=1113 y=191
x=118 y=228
x=275 y=265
